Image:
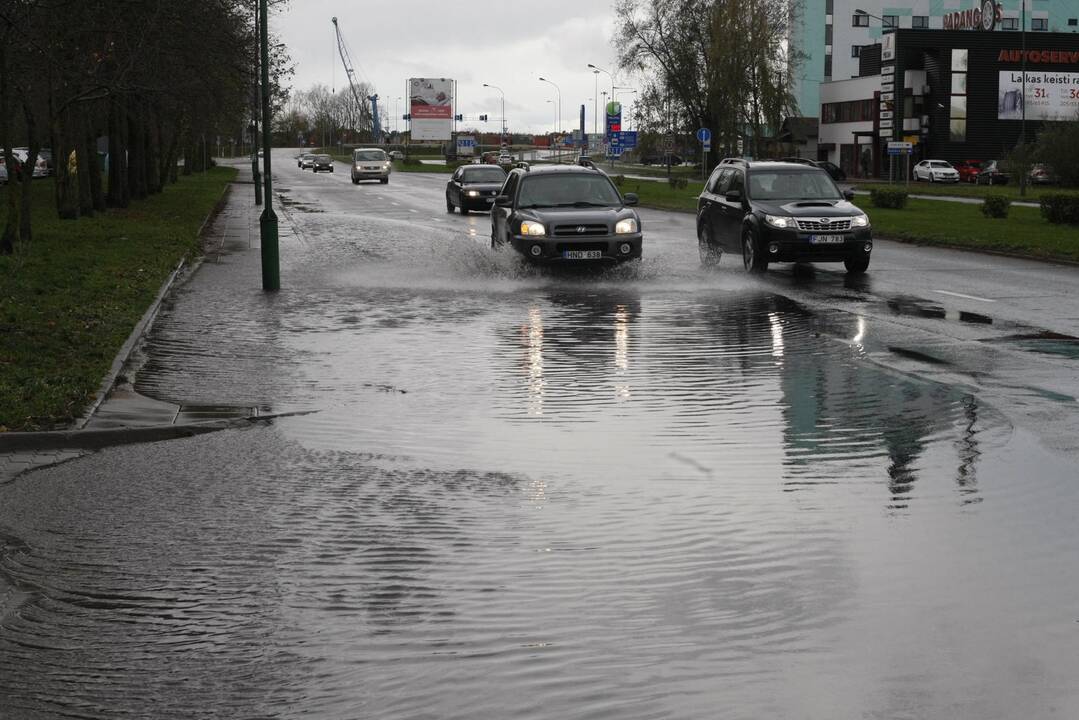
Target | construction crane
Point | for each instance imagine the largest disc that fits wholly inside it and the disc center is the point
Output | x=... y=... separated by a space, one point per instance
x=342 y=48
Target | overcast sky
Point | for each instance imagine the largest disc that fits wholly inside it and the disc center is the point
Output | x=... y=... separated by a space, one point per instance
x=511 y=44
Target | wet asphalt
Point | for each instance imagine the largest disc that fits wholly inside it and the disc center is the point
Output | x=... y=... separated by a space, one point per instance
x=653 y=491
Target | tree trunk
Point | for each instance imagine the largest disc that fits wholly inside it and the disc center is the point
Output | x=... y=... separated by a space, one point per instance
x=97 y=195
x=168 y=167
x=34 y=146
x=152 y=141
x=84 y=168
x=136 y=158
x=67 y=189
x=10 y=232
x=119 y=193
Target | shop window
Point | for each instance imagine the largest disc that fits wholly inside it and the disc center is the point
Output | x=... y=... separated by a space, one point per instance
x=959 y=60
x=1039 y=24
x=957 y=131
x=827 y=34
x=959 y=83
x=919 y=22
x=1009 y=24
x=1072 y=22
x=827 y=67
x=855 y=51
x=890 y=21
x=959 y=107
x=828 y=7
x=859 y=20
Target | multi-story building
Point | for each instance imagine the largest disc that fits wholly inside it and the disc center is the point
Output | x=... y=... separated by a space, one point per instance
x=831 y=34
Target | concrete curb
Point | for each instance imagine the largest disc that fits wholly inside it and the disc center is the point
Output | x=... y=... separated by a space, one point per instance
x=147 y=320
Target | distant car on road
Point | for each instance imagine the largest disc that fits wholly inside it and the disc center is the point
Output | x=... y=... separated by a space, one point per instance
x=505 y=159
x=322 y=163
x=396 y=155
x=566 y=214
x=474 y=187
x=991 y=174
x=305 y=161
x=935 y=171
x=370 y=164
x=1042 y=174
x=772 y=211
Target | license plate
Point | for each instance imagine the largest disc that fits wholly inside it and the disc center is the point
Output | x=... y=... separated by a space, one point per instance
x=490 y=200
x=827 y=239
x=582 y=254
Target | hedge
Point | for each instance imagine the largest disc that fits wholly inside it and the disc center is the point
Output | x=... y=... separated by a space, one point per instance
x=996 y=206
x=1059 y=208
x=887 y=198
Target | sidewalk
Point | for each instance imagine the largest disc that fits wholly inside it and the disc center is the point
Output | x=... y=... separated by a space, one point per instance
x=123 y=415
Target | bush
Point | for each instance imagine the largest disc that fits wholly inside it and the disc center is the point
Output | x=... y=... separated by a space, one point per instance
x=619 y=180
x=1059 y=208
x=887 y=198
x=996 y=206
x=411 y=160
x=1058 y=145
x=677 y=182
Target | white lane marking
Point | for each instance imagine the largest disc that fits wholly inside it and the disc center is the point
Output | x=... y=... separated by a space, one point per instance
x=961 y=295
x=412 y=210
x=395 y=203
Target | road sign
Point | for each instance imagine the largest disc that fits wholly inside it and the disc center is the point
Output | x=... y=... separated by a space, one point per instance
x=704 y=135
x=629 y=139
x=707 y=146
x=899 y=147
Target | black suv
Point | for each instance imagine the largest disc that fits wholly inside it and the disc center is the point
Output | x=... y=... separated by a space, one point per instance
x=780 y=212
x=556 y=213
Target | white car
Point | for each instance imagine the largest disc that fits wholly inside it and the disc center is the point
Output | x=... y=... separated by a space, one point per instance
x=370 y=164
x=936 y=171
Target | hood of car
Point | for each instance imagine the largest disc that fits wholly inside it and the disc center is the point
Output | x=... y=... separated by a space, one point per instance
x=810 y=208
x=572 y=218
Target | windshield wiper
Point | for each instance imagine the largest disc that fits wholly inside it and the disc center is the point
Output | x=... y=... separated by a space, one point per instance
x=581 y=204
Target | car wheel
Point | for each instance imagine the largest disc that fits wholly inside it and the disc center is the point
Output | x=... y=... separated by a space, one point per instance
x=449 y=204
x=495 y=244
x=385 y=181
x=856 y=266
x=355 y=181
x=752 y=258
x=709 y=253
x=464 y=210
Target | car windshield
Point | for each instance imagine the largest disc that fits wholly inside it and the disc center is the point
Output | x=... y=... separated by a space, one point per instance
x=369 y=155
x=484 y=175
x=324 y=159
x=940 y=164
x=568 y=190
x=792 y=185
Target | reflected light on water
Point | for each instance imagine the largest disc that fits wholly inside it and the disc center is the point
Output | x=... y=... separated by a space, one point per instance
x=535 y=362
x=860 y=336
x=777 y=335
x=621 y=352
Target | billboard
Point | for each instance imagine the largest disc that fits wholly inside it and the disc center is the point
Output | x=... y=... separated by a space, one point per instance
x=431 y=107
x=1050 y=95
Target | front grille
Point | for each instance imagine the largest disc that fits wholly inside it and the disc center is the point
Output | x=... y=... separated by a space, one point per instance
x=601 y=246
x=581 y=230
x=836 y=225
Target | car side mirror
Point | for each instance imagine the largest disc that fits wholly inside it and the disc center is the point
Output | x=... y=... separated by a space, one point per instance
x=733 y=196
x=848 y=195
x=503 y=201
x=630 y=198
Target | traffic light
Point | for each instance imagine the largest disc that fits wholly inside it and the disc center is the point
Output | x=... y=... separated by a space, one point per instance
x=483 y=118
x=459 y=118
x=406 y=116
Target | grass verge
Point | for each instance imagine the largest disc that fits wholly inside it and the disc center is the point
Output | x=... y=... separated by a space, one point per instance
x=662 y=196
x=69 y=301
x=1034 y=192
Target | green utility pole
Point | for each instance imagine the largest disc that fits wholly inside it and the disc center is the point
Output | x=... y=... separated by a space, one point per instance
x=255 y=101
x=271 y=261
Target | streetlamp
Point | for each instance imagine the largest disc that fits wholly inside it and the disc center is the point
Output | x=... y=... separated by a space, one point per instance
x=555 y=108
x=396 y=113
x=558 y=125
x=1023 y=106
x=599 y=69
x=271 y=260
x=595 y=102
x=495 y=87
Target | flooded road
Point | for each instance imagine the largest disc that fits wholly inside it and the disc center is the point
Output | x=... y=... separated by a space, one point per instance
x=648 y=492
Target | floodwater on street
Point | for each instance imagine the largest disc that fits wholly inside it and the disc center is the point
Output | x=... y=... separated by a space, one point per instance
x=646 y=492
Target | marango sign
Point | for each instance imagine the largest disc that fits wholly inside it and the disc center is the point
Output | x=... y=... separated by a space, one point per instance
x=985 y=17
x=1050 y=96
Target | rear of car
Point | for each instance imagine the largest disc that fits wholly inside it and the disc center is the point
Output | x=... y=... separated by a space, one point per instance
x=323 y=163
x=1042 y=174
x=370 y=164
x=991 y=174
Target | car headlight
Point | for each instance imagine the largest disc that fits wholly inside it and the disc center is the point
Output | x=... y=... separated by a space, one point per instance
x=779 y=221
x=473 y=193
x=530 y=227
x=624 y=227
x=859 y=221
x=385 y=166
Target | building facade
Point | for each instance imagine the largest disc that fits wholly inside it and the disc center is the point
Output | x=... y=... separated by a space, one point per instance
x=954 y=94
x=831 y=35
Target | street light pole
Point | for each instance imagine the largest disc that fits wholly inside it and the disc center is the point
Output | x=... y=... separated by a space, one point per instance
x=271 y=261
x=558 y=128
x=1023 y=107
x=595 y=102
x=495 y=87
x=257 y=98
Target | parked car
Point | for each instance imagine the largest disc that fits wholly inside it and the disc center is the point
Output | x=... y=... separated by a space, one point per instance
x=370 y=164
x=566 y=213
x=47 y=154
x=396 y=155
x=322 y=163
x=935 y=171
x=1042 y=174
x=834 y=171
x=991 y=174
x=968 y=170
x=505 y=159
x=474 y=187
x=772 y=211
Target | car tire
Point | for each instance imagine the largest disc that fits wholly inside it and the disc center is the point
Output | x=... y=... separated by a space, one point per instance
x=464 y=210
x=706 y=248
x=752 y=258
x=385 y=181
x=355 y=181
x=856 y=266
x=495 y=244
x=449 y=205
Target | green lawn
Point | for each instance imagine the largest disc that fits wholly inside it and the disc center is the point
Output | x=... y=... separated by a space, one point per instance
x=662 y=196
x=1034 y=192
x=68 y=302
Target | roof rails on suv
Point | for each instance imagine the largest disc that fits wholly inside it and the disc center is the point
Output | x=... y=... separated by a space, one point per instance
x=734 y=161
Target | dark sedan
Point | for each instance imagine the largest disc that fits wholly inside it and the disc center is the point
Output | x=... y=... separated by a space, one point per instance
x=474 y=187
x=991 y=174
x=566 y=213
x=322 y=163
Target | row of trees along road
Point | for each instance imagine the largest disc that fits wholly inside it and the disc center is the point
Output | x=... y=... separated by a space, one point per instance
x=721 y=64
x=323 y=116
x=156 y=77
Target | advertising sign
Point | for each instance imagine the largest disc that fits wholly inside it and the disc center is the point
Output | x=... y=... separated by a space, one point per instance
x=1050 y=95
x=431 y=105
x=985 y=16
x=614 y=117
x=887 y=48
